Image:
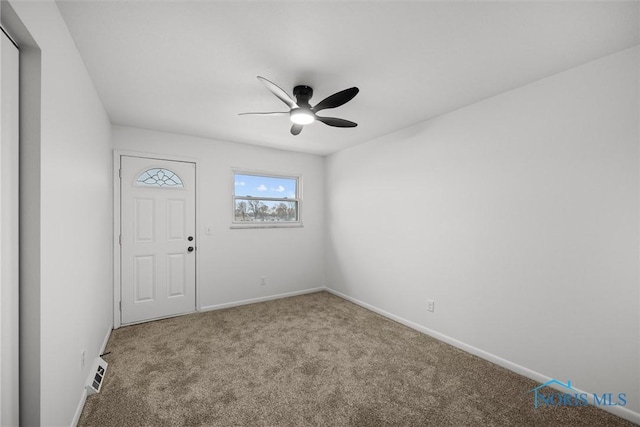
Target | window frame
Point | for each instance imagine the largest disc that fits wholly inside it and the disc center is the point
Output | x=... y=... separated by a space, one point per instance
x=266 y=224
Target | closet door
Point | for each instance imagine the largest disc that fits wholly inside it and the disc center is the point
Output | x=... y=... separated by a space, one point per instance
x=8 y=232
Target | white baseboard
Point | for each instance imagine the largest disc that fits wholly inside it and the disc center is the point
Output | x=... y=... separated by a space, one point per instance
x=83 y=397
x=261 y=299
x=76 y=416
x=105 y=341
x=619 y=411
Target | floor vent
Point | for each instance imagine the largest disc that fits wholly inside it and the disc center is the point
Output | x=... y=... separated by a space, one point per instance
x=96 y=376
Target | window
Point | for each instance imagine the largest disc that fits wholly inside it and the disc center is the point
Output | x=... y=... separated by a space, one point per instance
x=262 y=200
x=158 y=177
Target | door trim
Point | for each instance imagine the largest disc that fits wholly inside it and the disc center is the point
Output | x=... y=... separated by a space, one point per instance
x=117 y=320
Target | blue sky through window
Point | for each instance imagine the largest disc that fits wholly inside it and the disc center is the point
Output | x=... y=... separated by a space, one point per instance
x=264 y=186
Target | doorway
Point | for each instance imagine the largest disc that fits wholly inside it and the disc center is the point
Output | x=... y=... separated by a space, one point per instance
x=157 y=238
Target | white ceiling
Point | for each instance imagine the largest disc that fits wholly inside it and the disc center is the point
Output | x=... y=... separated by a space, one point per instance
x=190 y=67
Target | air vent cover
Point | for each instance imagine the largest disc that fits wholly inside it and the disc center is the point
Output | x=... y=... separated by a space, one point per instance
x=94 y=382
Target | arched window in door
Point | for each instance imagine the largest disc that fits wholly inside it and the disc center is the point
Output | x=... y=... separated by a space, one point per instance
x=159 y=177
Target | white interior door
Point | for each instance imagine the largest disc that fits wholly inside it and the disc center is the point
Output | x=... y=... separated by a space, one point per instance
x=157 y=238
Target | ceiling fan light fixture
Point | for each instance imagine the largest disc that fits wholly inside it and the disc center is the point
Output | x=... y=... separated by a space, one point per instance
x=301 y=116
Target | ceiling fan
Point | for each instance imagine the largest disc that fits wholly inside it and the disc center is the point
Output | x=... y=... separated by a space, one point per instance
x=301 y=113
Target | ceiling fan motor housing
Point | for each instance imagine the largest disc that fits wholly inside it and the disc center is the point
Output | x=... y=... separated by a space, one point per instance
x=303 y=94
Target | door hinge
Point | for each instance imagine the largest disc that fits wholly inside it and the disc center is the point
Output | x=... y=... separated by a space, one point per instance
x=120 y=239
x=120 y=306
x=119 y=173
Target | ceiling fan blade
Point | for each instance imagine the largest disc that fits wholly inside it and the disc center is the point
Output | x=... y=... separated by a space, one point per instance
x=339 y=123
x=269 y=113
x=281 y=94
x=296 y=129
x=337 y=99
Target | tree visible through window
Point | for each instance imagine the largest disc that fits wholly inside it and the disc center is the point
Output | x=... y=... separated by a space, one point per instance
x=265 y=199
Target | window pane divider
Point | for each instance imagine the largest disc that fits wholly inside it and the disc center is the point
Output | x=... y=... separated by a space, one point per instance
x=271 y=199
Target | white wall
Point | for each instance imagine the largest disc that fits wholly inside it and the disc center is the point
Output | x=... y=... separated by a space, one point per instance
x=230 y=262
x=69 y=301
x=518 y=215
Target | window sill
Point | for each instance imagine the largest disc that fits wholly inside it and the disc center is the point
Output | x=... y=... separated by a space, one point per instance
x=266 y=225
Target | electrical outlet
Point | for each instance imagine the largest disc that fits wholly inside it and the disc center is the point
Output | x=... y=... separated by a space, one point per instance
x=431 y=305
x=263 y=280
x=82 y=353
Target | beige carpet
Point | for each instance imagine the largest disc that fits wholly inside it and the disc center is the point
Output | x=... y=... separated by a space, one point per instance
x=308 y=360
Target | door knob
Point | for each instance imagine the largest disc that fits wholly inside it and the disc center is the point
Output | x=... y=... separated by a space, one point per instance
x=190 y=238
x=190 y=249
